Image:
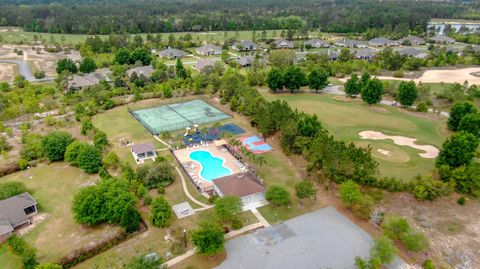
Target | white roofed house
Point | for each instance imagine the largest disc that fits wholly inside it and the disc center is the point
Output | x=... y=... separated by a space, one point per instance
x=242 y=185
x=146 y=71
x=442 y=39
x=413 y=52
x=316 y=43
x=382 y=42
x=209 y=50
x=16 y=212
x=245 y=45
x=350 y=43
x=205 y=65
x=142 y=152
x=283 y=44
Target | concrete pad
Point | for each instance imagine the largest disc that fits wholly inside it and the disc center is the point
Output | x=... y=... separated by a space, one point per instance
x=321 y=239
x=183 y=210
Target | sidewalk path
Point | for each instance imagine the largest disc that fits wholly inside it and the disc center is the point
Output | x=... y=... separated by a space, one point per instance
x=185 y=189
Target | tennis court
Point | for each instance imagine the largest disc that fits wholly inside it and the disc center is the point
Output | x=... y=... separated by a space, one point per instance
x=174 y=117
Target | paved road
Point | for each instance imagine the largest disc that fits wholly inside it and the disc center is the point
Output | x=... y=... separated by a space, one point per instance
x=25 y=71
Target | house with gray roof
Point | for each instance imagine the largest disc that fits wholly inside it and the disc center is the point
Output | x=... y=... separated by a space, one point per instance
x=78 y=82
x=201 y=65
x=316 y=43
x=365 y=54
x=350 y=43
x=209 y=50
x=142 y=152
x=16 y=212
x=412 y=40
x=245 y=45
x=146 y=71
x=283 y=44
x=382 y=42
x=242 y=185
x=247 y=61
x=413 y=52
x=172 y=53
x=442 y=39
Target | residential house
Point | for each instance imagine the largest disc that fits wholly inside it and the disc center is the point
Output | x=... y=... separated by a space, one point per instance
x=16 y=212
x=201 y=65
x=316 y=43
x=242 y=185
x=350 y=43
x=171 y=53
x=412 y=40
x=413 y=52
x=442 y=39
x=245 y=45
x=283 y=44
x=365 y=54
x=209 y=50
x=382 y=42
x=245 y=61
x=146 y=71
x=78 y=82
x=142 y=152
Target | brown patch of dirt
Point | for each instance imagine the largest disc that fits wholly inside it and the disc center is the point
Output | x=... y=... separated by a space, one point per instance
x=453 y=230
x=342 y=98
x=378 y=109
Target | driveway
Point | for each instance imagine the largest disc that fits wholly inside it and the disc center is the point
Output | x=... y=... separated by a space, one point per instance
x=25 y=71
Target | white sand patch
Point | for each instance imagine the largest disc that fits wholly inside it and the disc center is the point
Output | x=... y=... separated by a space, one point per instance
x=384 y=152
x=430 y=151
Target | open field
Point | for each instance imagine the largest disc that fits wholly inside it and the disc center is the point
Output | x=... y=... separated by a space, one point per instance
x=54 y=186
x=7 y=71
x=346 y=119
x=446 y=76
x=8 y=258
x=17 y=35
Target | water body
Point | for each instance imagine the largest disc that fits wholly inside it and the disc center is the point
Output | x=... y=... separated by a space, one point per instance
x=468 y=27
x=24 y=69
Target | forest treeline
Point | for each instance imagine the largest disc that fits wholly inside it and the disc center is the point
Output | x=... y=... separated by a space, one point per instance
x=150 y=16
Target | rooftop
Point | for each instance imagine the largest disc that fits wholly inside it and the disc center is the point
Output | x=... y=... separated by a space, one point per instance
x=12 y=211
x=240 y=185
x=142 y=148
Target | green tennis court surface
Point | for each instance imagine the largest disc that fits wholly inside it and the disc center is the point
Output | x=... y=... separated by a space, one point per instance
x=177 y=116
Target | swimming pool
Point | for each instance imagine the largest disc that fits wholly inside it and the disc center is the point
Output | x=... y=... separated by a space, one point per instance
x=212 y=167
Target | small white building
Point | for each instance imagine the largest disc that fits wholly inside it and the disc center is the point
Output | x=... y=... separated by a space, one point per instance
x=142 y=152
x=243 y=185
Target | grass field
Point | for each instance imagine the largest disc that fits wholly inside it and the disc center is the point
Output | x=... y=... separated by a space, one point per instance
x=8 y=258
x=16 y=35
x=54 y=186
x=346 y=119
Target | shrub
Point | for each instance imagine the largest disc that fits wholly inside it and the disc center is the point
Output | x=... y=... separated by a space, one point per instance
x=350 y=193
x=89 y=159
x=159 y=173
x=462 y=200
x=22 y=164
x=228 y=207
x=458 y=111
x=277 y=195
x=100 y=139
x=26 y=253
x=398 y=228
x=428 y=264
x=4 y=146
x=160 y=212
x=414 y=241
x=208 y=238
x=32 y=147
x=383 y=250
x=237 y=224
x=144 y=262
x=9 y=189
x=48 y=266
x=430 y=189
x=71 y=153
x=55 y=144
x=305 y=189
x=39 y=74
x=422 y=107
x=111 y=160
x=458 y=150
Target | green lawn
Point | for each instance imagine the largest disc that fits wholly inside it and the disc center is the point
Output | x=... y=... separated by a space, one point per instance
x=16 y=35
x=8 y=258
x=54 y=186
x=346 y=119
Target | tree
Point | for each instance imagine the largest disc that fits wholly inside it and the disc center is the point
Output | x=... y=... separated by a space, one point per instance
x=458 y=150
x=180 y=69
x=407 y=93
x=364 y=80
x=160 y=212
x=345 y=55
x=282 y=58
x=350 y=193
x=159 y=173
x=277 y=195
x=66 y=65
x=54 y=145
x=122 y=56
x=145 y=262
x=89 y=158
x=209 y=238
x=294 y=78
x=71 y=153
x=100 y=139
x=353 y=86
x=317 y=80
x=372 y=92
x=4 y=145
x=458 y=111
x=470 y=123
x=383 y=250
x=142 y=55
x=87 y=65
x=275 y=79
x=305 y=189
x=228 y=207
x=9 y=189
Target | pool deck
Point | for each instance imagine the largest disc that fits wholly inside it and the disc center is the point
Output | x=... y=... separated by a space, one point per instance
x=183 y=155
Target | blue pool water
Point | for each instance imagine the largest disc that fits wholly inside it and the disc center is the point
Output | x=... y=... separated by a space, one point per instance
x=212 y=167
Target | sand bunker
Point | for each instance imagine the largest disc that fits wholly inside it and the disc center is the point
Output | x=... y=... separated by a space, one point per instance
x=430 y=152
x=384 y=152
